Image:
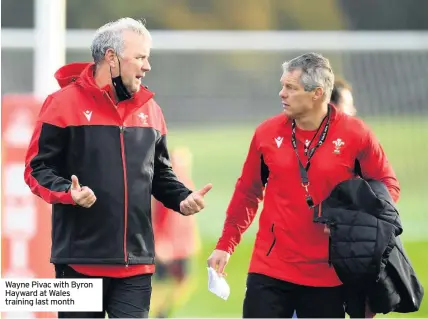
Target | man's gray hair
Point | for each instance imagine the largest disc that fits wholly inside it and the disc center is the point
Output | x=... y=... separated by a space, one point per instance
x=110 y=36
x=316 y=72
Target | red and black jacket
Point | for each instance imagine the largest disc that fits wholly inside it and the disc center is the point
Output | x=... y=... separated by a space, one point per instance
x=119 y=151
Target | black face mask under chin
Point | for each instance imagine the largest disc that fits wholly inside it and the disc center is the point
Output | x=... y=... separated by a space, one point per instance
x=121 y=90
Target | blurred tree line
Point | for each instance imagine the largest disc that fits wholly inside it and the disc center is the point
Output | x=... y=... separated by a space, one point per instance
x=235 y=14
x=211 y=14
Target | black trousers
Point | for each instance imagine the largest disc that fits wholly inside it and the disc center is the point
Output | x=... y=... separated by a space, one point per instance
x=122 y=297
x=268 y=297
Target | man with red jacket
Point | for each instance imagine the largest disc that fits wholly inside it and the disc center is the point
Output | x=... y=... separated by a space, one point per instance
x=98 y=153
x=177 y=243
x=289 y=267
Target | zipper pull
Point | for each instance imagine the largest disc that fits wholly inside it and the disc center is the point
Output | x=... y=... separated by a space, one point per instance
x=121 y=129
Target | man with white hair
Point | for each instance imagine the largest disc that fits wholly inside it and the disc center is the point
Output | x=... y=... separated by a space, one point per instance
x=98 y=153
x=295 y=160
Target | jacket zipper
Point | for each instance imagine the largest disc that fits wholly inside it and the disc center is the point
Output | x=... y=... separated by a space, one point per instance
x=122 y=147
x=122 y=144
x=274 y=240
x=332 y=227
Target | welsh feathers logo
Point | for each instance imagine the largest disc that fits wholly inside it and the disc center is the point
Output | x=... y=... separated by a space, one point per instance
x=338 y=145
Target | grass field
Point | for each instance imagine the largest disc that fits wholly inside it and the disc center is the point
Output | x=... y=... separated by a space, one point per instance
x=219 y=153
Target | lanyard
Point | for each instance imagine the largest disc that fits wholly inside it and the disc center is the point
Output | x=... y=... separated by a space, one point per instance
x=308 y=145
x=304 y=169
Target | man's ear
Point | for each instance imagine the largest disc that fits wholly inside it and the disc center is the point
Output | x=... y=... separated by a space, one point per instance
x=318 y=94
x=110 y=57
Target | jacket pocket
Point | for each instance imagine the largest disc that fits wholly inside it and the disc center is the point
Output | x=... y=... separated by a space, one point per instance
x=273 y=241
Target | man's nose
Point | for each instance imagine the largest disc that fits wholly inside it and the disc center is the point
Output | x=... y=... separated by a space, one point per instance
x=146 y=67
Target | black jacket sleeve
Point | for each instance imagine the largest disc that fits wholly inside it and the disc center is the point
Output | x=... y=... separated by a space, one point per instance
x=45 y=156
x=166 y=187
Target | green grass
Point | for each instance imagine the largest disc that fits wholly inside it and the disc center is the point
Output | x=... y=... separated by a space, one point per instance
x=205 y=304
x=219 y=153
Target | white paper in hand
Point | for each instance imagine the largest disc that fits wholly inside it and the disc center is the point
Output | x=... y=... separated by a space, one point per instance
x=217 y=284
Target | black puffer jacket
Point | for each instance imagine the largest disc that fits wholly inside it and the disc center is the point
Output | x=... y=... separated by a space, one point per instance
x=365 y=249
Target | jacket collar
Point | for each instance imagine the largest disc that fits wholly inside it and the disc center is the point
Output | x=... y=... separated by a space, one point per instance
x=334 y=114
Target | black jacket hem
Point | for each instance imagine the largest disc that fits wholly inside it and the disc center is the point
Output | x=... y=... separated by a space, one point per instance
x=103 y=261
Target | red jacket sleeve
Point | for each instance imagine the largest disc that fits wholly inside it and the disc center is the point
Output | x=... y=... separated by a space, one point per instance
x=245 y=200
x=45 y=157
x=375 y=165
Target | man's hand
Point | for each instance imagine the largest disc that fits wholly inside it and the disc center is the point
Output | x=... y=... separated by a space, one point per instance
x=194 y=203
x=82 y=196
x=326 y=230
x=218 y=261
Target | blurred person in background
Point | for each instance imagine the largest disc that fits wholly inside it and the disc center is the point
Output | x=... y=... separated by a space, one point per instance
x=177 y=242
x=342 y=97
x=289 y=269
x=98 y=153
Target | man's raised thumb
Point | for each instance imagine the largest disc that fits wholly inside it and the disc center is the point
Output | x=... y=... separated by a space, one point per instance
x=75 y=183
x=205 y=189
